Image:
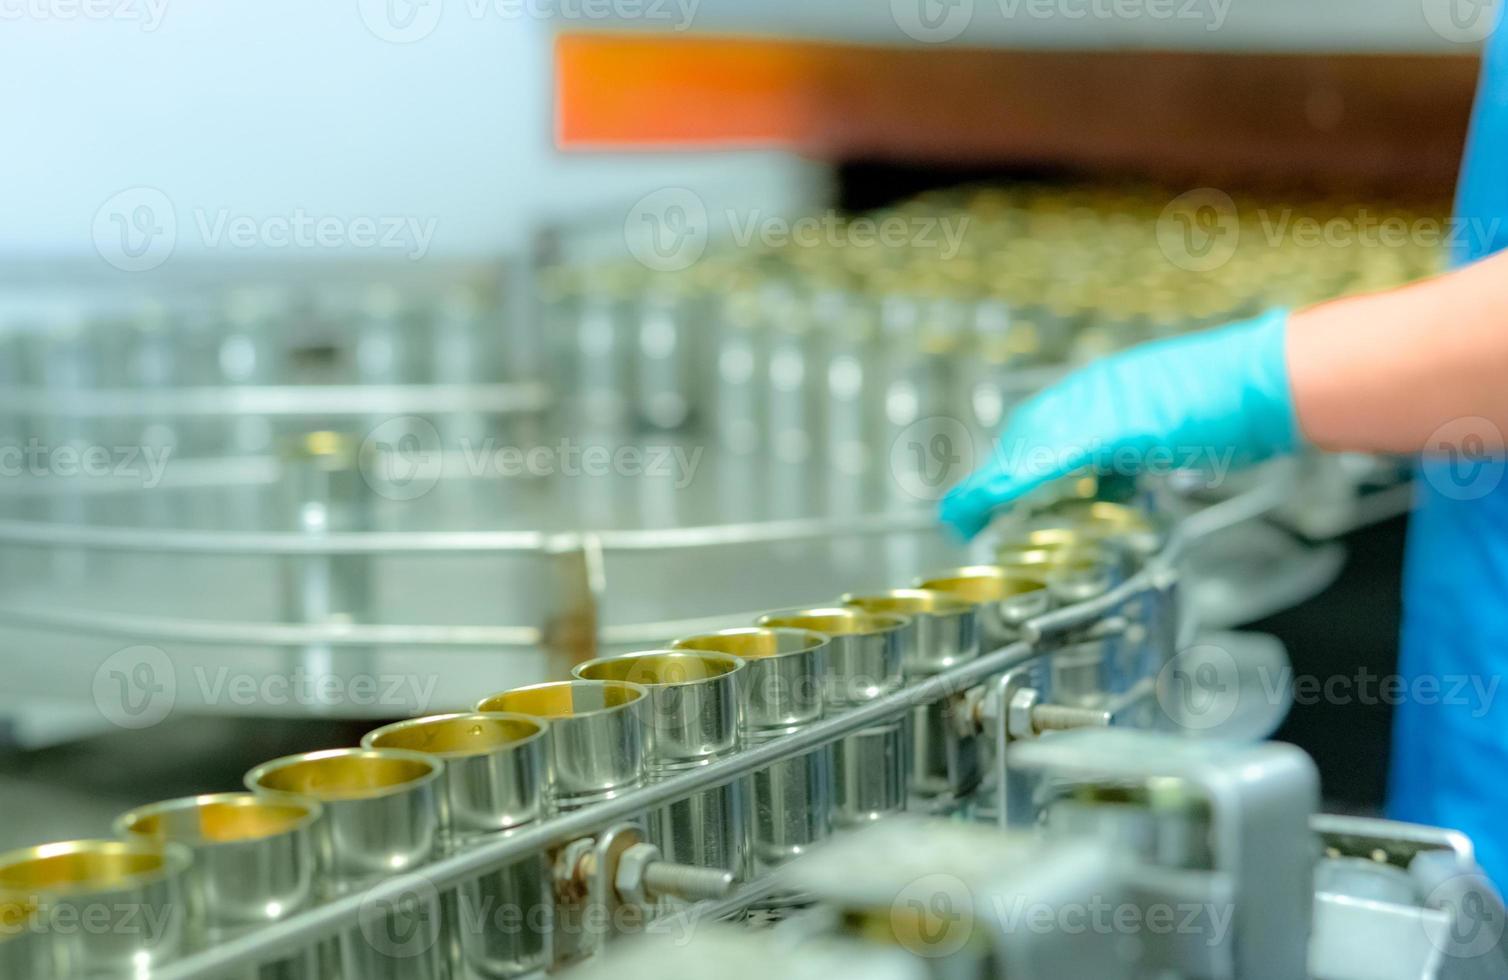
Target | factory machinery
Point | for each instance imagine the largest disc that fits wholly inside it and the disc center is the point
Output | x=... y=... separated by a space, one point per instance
x=995 y=770
x=827 y=739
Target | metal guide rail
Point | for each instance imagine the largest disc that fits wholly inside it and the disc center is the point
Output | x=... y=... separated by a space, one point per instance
x=367 y=906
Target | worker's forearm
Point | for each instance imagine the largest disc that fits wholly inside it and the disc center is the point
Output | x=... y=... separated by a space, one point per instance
x=1384 y=372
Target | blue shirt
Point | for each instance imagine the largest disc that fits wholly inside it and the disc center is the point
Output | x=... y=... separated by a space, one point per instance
x=1450 y=740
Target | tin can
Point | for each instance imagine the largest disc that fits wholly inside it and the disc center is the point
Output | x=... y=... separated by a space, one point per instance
x=253 y=864
x=943 y=764
x=499 y=924
x=694 y=717
x=326 y=493
x=864 y=656
x=594 y=751
x=382 y=817
x=129 y=893
x=594 y=744
x=785 y=673
x=1006 y=598
x=1074 y=570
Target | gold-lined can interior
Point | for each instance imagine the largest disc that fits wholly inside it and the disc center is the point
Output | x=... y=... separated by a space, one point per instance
x=72 y=867
x=835 y=621
x=344 y=774
x=983 y=583
x=564 y=699
x=661 y=667
x=217 y=819
x=754 y=642
x=456 y=735
x=909 y=602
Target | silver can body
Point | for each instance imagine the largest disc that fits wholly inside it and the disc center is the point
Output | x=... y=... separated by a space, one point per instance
x=594 y=745
x=101 y=908
x=865 y=653
x=326 y=493
x=497 y=925
x=693 y=717
x=254 y=863
x=382 y=817
x=594 y=751
x=942 y=763
x=789 y=804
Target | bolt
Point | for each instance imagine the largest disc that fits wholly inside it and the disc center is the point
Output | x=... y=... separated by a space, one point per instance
x=1026 y=716
x=642 y=876
x=685 y=881
x=1060 y=718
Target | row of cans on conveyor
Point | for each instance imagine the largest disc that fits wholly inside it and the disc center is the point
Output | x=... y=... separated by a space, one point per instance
x=324 y=824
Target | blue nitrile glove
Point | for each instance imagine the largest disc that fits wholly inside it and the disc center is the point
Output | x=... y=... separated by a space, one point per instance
x=1209 y=400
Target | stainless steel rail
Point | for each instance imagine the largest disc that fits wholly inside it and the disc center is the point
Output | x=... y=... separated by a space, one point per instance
x=507 y=398
x=167 y=541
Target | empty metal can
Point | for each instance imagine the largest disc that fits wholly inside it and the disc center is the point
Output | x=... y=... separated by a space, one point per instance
x=693 y=717
x=594 y=744
x=1074 y=570
x=1093 y=547
x=1098 y=520
x=594 y=751
x=95 y=908
x=1006 y=597
x=785 y=671
x=499 y=924
x=253 y=864
x=382 y=817
x=326 y=493
x=864 y=656
x=943 y=763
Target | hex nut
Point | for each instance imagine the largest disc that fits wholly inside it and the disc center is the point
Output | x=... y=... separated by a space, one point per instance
x=1018 y=715
x=629 y=880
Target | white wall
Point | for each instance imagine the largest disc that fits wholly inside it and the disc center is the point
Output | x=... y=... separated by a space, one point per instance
x=264 y=110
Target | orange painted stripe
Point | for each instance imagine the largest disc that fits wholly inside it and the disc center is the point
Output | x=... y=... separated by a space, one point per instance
x=646 y=90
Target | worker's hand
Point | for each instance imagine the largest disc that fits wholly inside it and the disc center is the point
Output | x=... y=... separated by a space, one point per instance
x=1210 y=400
